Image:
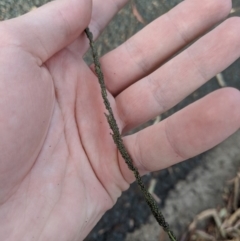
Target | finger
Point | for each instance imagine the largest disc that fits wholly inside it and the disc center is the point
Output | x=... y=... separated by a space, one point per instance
x=152 y=46
x=179 y=77
x=187 y=133
x=102 y=13
x=50 y=28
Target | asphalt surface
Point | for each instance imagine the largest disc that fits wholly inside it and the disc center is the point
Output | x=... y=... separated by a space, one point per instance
x=130 y=211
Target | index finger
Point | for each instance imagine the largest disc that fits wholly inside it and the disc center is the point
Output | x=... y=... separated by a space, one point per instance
x=160 y=40
x=102 y=13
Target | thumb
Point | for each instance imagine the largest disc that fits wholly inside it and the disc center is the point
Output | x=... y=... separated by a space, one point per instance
x=48 y=29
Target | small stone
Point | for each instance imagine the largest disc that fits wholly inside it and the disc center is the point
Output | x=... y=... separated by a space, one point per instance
x=131 y=223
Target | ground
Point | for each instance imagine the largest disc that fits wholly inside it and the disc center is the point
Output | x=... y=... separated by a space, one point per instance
x=183 y=190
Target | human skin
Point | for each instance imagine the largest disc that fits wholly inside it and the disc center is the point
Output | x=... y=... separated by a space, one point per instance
x=59 y=168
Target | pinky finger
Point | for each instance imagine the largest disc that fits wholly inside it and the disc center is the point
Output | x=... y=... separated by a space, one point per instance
x=189 y=132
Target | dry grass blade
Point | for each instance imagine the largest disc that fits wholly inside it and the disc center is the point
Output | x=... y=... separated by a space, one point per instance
x=210 y=213
x=137 y=14
x=157 y=120
x=226 y=224
x=203 y=235
x=234 y=10
x=151 y=189
x=236 y=193
x=220 y=80
x=233 y=219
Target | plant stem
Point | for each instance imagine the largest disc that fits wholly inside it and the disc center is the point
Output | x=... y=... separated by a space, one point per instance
x=119 y=143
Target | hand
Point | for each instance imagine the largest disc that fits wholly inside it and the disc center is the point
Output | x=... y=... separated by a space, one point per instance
x=59 y=168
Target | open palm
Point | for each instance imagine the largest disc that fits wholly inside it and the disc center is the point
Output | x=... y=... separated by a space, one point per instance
x=59 y=168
